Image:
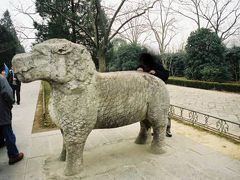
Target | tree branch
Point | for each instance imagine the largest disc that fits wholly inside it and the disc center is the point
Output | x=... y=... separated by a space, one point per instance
x=114 y=17
x=137 y=15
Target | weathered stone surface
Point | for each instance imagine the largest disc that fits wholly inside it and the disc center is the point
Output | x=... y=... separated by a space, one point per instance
x=83 y=99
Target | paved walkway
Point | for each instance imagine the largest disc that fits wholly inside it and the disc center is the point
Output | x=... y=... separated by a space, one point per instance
x=112 y=154
x=216 y=103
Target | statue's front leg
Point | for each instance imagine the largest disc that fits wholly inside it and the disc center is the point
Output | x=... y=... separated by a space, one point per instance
x=74 y=142
x=62 y=156
x=74 y=158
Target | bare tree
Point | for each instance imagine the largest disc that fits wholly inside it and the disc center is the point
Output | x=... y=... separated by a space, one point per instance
x=135 y=31
x=163 y=26
x=190 y=9
x=24 y=32
x=222 y=16
x=100 y=26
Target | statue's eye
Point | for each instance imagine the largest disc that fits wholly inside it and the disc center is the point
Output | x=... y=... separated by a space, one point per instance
x=61 y=50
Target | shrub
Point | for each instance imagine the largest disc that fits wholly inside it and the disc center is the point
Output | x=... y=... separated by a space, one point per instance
x=231 y=87
x=205 y=57
x=174 y=62
x=126 y=58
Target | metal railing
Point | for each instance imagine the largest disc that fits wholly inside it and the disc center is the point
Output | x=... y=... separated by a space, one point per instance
x=217 y=125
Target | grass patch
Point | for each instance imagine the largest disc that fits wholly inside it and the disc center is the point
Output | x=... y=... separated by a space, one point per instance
x=42 y=121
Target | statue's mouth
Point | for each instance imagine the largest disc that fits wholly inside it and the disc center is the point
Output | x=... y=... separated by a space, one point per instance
x=22 y=74
x=23 y=71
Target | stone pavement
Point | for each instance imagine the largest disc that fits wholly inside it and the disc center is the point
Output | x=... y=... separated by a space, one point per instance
x=223 y=105
x=112 y=154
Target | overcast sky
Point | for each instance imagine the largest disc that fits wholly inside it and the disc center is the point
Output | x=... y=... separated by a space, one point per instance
x=184 y=26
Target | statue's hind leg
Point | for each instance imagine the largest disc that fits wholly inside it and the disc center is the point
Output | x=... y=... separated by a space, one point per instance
x=158 y=119
x=145 y=127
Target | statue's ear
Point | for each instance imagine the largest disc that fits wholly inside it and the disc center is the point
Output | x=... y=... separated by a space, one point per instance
x=63 y=48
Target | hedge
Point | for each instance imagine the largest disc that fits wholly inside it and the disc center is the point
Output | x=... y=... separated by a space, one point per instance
x=230 y=87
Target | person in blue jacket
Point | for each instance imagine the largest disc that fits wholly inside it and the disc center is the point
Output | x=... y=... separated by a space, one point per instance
x=6 y=70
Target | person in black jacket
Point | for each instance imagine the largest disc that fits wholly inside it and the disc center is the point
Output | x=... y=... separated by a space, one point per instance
x=6 y=102
x=15 y=84
x=149 y=65
x=2 y=140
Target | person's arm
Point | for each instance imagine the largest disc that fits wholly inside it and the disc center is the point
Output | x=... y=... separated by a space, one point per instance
x=6 y=92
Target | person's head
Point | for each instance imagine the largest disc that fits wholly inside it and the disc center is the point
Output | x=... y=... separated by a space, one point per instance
x=146 y=59
x=2 y=69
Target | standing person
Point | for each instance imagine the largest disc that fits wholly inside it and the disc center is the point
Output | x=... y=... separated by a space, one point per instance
x=6 y=102
x=6 y=70
x=2 y=140
x=15 y=84
x=148 y=64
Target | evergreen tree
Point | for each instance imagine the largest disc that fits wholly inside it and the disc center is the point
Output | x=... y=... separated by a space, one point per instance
x=205 y=57
x=233 y=58
x=9 y=42
x=6 y=21
x=53 y=24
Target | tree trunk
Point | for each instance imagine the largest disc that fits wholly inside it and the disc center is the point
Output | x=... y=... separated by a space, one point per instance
x=238 y=69
x=101 y=62
x=74 y=39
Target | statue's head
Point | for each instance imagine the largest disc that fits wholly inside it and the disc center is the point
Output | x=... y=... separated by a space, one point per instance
x=55 y=60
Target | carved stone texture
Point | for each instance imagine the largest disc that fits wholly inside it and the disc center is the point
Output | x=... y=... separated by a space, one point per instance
x=83 y=99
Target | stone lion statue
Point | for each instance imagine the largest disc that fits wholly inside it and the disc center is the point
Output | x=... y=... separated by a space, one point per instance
x=83 y=99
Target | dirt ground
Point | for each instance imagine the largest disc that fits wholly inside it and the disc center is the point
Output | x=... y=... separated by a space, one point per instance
x=210 y=140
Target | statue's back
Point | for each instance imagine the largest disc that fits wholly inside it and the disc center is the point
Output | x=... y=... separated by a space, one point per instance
x=124 y=97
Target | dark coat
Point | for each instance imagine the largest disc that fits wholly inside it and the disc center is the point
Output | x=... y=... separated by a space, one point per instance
x=6 y=101
x=10 y=79
x=159 y=69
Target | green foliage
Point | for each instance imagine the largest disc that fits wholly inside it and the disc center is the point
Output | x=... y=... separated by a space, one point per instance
x=9 y=43
x=54 y=25
x=174 y=63
x=205 y=57
x=125 y=58
x=231 y=87
x=214 y=73
x=74 y=21
x=117 y=43
x=7 y=22
x=233 y=58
